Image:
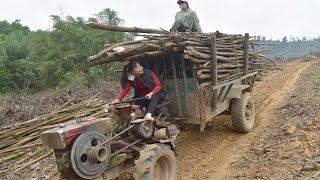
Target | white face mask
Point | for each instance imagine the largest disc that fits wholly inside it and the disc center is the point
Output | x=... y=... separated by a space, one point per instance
x=131 y=77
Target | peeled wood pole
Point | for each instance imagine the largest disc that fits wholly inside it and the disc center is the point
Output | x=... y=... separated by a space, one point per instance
x=176 y=84
x=214 y=69
x=246 y=54
x=124 y=29
x=185 y=85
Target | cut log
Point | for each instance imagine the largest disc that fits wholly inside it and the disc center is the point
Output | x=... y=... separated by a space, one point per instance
x=124 y=29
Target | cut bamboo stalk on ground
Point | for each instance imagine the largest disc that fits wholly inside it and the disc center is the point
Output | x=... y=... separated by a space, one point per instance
x=33 y=162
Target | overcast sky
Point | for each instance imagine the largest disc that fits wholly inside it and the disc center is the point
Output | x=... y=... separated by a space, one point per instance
x=271 y=18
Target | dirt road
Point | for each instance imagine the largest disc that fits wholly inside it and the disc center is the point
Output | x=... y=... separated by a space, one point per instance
x=221 y=153
x=209 y=155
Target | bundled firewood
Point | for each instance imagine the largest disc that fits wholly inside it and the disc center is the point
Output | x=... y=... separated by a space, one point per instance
x=20 y=144
x=195 y=47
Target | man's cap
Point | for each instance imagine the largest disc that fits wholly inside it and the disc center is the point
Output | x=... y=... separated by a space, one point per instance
x=181 y=1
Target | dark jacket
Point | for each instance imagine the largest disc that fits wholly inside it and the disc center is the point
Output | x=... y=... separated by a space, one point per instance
x=147 y=81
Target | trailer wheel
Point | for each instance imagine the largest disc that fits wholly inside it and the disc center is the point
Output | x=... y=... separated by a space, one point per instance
x=242 y=113
x=156 y=162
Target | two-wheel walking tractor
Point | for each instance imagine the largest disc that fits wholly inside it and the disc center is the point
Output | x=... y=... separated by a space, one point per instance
x=125 y=145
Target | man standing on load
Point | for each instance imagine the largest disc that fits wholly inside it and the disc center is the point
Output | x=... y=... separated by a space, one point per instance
x=186 y=19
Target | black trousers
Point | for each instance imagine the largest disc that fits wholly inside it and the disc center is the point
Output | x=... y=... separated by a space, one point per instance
x=150 y=104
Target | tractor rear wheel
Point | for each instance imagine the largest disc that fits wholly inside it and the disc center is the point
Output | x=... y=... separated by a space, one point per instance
x=156 y=162
x=242 y=113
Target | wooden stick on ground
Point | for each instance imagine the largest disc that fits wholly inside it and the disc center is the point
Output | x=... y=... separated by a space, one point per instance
x=34 y=161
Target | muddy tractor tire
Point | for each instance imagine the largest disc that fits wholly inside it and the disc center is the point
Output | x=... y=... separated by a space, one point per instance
x=156 y=162
x=242 y=113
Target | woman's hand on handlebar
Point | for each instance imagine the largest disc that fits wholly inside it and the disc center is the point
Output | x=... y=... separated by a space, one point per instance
x=115 y=101
x=149 y=96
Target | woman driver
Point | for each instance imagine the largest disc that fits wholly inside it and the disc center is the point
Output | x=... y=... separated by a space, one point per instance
x=145 y=84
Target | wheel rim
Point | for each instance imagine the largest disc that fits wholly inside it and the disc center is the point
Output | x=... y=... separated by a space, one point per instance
x=162 y=169
x=248 y=112
x=83 y=151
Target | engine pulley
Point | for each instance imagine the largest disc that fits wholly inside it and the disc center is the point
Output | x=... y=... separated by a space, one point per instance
x=88 y=159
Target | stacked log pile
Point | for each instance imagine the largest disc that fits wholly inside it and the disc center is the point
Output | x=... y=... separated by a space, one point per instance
x=195 y=47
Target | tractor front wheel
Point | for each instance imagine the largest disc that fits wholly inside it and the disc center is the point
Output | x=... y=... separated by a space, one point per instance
x=156 y=162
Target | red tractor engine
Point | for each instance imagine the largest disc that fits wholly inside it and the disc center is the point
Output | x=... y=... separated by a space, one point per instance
x=76 y=146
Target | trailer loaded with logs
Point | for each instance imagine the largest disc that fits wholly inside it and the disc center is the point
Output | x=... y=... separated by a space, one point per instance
x=203 y=74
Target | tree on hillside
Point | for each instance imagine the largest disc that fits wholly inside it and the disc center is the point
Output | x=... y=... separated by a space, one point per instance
x=61 y=54
x=4 y=76
x=108 y=16
x=295 y=47
x=14 y=49
x=7 y=28
x=47 y=59
x=284 y=40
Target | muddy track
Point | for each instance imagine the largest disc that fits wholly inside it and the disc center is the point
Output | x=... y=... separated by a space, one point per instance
x=209 y=155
